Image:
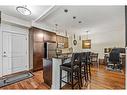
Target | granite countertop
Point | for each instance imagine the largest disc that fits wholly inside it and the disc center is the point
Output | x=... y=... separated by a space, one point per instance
x=64 y=59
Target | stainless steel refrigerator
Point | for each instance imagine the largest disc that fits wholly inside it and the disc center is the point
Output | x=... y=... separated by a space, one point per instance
x=49 y=50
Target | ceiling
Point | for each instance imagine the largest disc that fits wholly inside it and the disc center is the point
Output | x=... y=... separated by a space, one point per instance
x=90 y=16
x=36 y=12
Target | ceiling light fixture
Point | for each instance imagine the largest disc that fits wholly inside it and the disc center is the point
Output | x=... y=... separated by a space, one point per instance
x=74 y=17
x=23 y=10
x=66 y=10
x=80 y=22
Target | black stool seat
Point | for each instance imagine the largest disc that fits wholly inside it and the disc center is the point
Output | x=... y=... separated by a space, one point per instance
x=67 y=67
x=67 y=64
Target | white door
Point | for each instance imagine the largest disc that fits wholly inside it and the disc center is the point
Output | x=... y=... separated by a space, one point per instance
x=0 y=54
x=14 y=53
x=19 y=53
x=6 y=54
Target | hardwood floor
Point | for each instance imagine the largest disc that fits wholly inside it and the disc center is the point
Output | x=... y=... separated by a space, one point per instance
x=101 y=79
x=104 y=79
x=36 y=82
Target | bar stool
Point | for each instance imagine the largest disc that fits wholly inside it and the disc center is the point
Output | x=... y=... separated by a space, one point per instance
x=73 y=68
x=89 y=64
x=94 y=59
x=86 y=66
x=83 y=69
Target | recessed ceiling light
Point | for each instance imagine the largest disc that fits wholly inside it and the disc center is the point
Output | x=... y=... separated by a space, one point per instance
x=56 y=24
x=66 y=10
x=74 y=17
x=80 y=22
x=23 y=10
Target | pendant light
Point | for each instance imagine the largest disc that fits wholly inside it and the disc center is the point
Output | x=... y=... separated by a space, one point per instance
x=56 y=25
x=80 y=37
x=86 y=44
x=66 y=33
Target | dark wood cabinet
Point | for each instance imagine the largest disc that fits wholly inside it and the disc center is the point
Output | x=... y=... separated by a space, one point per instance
x=47 y=71
x=49 y=37
x=37 y=56
x=37 y=39
x=38 y=35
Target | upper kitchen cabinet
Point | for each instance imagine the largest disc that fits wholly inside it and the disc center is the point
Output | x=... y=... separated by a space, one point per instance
x=62 y=39
x=38 y=35
x=65 y=42
x=59 y=39
x=49 y=36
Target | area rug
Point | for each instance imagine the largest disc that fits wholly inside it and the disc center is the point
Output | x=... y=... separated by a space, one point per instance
x=13 y=79
x=115 y=70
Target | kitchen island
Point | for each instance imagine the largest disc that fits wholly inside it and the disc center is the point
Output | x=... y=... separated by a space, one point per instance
x=51 y=72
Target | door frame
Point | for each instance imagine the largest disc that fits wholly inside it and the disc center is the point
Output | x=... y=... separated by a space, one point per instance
x=126 y=42
x=1 y=61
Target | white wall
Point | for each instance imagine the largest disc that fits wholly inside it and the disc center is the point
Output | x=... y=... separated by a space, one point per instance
x=31 y=50
x=0 y=52
x=108 y=34
x=14 y=20
x=76 y=48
